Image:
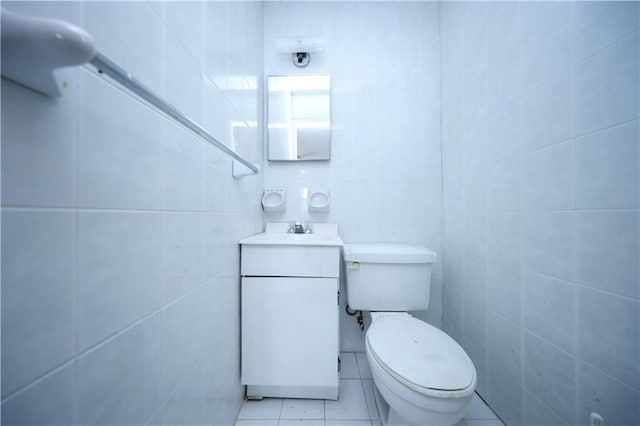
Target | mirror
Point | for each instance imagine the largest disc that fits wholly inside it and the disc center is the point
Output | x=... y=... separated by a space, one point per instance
x=298 y=117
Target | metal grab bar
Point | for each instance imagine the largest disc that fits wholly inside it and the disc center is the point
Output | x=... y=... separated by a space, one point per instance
x=107 y=67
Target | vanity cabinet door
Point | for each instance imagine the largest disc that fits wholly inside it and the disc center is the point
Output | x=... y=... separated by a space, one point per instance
x=289 y=327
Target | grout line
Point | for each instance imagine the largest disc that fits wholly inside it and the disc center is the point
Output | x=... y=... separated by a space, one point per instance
x=40 y=379
x=80 y=354
x=603 y=48
x=110 y=210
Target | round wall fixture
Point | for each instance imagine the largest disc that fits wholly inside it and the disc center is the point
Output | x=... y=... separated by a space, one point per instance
x=301 y=59
x=319 y=201
x=274 y=201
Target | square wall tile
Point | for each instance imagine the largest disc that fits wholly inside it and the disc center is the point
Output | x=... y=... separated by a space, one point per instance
x=504 y=344
x=185 y=406
x=547 y=114
x=38 y=294
x=480 y=362
x=550 y=375
x=182 y=254
x=608 y=337
x=504 y=237
x=475 y=279
x=606 y=87
x=504 y=290
x=475 y=233
x=504 y=78
x=550 y=309
x=41 y=133
x=548 y=178
x=186 y=23
x=182 y=171
x=137 y=46
x=474 y=145
x=614 y=233
x=607 y=172
x=505 y=132
x=64 y=10
x=118 y=272
x=600 y=393
x=48 y=402
x=538 y=413
x=183 y=85
x=546 y=44
x=598 y=24
x=475 y=324
x=503 y=27
x=505 y=402
x=547 y=243
x=118 y=148
x=182 y=328
x=474 y=190
x=119 y=382
x=503 y=184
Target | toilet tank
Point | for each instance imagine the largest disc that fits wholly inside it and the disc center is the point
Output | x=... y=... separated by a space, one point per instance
x=388 y=277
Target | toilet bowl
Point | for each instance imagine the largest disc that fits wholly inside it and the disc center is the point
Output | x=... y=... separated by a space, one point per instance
x=421 y=375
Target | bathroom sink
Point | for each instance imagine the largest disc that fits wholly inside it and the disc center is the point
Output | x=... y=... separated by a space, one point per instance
x=278 y=253
x=324 y=234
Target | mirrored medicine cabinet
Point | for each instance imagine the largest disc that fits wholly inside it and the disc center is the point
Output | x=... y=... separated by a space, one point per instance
x=299 y=117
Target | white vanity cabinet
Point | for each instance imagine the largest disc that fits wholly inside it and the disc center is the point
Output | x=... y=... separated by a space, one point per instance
x=290 y=340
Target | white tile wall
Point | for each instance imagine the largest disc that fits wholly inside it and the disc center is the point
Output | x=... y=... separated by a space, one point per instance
x=120 y=261
x=119 y=230
x=41 y=262
x=118 y=271
x=385 y=169
x=551 y=209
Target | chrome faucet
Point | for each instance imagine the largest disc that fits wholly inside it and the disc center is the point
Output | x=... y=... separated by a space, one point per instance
x=300 y=228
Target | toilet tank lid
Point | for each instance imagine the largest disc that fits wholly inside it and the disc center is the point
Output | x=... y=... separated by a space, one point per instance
x=388 y=253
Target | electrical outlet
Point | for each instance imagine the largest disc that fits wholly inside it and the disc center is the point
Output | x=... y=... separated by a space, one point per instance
x=596 y=420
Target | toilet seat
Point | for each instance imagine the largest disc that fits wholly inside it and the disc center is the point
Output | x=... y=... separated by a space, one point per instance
x=420 y=356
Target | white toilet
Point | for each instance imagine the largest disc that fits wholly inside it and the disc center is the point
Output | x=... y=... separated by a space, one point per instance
x=421 y=375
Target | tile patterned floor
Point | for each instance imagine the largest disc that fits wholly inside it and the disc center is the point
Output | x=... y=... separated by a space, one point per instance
x=356 y=406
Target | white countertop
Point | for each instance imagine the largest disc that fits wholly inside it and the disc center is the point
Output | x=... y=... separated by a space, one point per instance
x=324 y=234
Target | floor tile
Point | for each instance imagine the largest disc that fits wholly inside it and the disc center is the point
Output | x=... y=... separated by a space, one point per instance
x=356 y=407
x=479 y=410
x=300 y=422
x=256 y=423
x=477 y=422
x=367 y=385
x=363 y=365
x=349 y=368
x=351 y=405
x=267 y=409
x=302 y=409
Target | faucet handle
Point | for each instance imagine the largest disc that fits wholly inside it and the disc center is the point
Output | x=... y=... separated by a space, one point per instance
x=308 y=229
x=292 y=228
